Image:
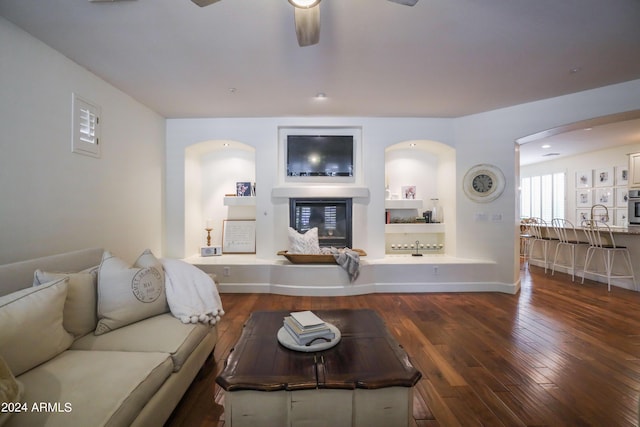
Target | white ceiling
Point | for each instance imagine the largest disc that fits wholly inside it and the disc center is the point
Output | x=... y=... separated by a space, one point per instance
x=440 y=58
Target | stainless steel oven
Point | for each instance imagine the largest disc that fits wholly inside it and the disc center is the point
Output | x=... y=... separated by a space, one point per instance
x=634 y=207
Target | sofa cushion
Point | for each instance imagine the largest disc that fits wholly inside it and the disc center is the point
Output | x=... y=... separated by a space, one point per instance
x=32 y=330
x=10 y=391
x=306 y=243
x=128 y=294
x=80 y=305
x=92 y=388
x=163 y=333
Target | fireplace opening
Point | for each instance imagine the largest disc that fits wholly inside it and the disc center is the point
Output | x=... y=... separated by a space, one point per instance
x=331 y=216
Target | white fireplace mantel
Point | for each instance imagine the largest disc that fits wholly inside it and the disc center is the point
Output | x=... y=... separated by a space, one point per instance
x=286 y=192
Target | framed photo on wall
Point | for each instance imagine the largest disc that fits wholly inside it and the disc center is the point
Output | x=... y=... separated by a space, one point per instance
x=409 y=192
x=582 y=215
x=622 y=197
x=604 y=177
x=583 y=198
x=604 y=196
x=621 y=218
x=584 y=179
x=622 y=175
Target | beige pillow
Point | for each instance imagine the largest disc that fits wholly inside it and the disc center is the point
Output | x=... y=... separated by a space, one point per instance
x=80 y=307
x=32 y=330
x=129 y=294
x=10 y=391
x=306 y=243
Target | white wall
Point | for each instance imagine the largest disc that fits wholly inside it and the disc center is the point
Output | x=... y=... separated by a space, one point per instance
x=481 y=138
x=53 y=200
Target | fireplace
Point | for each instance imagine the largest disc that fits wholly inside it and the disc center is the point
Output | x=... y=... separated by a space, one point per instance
x=332 y=216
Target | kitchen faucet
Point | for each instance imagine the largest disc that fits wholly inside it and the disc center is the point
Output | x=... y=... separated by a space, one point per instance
x=606 y=212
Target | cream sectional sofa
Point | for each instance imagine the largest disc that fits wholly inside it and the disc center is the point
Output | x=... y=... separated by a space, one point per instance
x=133 y=375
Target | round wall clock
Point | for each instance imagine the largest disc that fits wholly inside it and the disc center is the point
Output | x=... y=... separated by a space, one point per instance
x=483 y=183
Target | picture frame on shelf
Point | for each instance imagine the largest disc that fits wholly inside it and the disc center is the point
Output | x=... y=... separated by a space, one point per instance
x=409 y=192
x=239 y=236
x=584 y=179
x=583 y=198
x=604 y=196
x=622 y=175
x=604 y=177
x=244 y=189
x=622 y=197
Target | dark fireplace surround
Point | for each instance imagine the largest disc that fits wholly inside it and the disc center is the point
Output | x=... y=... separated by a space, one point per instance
x=332 y=216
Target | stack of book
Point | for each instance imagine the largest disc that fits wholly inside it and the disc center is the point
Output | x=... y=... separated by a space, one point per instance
x=305 y=327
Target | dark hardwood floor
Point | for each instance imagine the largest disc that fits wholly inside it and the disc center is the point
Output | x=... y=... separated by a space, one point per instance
x=556 y=354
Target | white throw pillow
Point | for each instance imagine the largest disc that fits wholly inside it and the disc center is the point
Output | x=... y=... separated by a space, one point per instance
x=306 y=243
x=32 y=331
x=80 y=307
x=129 y=294
x=10 y=391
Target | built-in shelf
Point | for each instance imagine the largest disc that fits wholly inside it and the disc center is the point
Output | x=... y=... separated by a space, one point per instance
x=414 y=228
x=240 y=201
x=403 y=204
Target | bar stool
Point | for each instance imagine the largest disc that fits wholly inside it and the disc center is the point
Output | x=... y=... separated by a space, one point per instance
x=597 y=243
x=567 y=238
x=525 y=238
x=539 y=230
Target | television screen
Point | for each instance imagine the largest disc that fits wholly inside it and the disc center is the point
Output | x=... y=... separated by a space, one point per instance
x=319 y=155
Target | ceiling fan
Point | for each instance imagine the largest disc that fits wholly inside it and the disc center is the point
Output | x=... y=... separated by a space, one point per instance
x=307 y=18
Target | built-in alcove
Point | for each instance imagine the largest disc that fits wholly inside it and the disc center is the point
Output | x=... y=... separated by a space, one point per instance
x=212 y=169
x=429 y=166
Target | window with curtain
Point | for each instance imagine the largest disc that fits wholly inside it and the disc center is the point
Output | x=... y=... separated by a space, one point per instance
x=543 y=196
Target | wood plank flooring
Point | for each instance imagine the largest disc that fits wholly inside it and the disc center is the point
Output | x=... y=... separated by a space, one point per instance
x=556 y=354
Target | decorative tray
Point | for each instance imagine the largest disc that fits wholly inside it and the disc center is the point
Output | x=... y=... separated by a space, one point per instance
x=314 y=259
x=287 y=340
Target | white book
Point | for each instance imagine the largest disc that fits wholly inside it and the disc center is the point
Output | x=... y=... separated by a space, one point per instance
x=307 y=319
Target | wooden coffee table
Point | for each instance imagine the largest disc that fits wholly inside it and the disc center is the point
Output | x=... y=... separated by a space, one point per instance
x=365 y=380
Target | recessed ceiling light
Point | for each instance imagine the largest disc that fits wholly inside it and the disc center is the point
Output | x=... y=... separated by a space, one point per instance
x=575 y=70
x=321 y=95
x=413 y=144
x=546 y=146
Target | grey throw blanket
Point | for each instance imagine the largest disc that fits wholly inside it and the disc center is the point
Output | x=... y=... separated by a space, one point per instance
x=347 y=259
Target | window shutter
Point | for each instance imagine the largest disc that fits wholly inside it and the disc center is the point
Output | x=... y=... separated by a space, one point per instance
x=86 y=127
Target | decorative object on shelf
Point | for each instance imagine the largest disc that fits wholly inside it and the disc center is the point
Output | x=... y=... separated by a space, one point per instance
x=314 y=259
x=387 y=193
x=483 y=183
x=243 y=189
x=209 y=228
x=409 y=192
x=239 y=236
x=436 y=212
x=416 y=248
x=210 y=251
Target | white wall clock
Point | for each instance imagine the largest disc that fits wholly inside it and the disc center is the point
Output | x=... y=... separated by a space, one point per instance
x=483 y=183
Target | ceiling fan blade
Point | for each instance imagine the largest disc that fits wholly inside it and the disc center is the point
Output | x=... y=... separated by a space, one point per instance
x=307 y=25
x=405 y=2
x=203 y=3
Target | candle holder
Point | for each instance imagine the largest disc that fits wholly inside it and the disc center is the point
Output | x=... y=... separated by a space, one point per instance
x=209 y=235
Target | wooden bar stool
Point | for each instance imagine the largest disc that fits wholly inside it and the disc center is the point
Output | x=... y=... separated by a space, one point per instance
x=601 y=240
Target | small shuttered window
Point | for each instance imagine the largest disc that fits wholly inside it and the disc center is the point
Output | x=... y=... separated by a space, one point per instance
x=86 y=127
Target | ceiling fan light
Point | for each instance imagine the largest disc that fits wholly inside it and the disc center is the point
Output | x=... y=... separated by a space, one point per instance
x=304 y=4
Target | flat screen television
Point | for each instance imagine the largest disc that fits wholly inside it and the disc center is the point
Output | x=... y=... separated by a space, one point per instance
x=319 y=155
